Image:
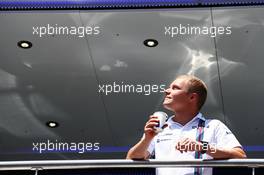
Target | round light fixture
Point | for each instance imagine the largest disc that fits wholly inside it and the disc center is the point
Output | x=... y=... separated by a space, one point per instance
x=52 y=124
x=24 y=44
x=151 y=42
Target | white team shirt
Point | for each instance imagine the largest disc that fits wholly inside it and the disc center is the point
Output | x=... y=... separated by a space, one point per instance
x=215 y=132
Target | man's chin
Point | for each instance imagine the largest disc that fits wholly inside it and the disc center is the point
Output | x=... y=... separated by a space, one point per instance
x=167 y=106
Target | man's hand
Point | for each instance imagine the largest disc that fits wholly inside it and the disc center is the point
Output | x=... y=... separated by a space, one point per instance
x=187 y=144
x=139 y=151
x=149 y=129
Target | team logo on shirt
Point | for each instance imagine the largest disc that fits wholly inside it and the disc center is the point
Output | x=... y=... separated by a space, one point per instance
x=194 y=127
x=162 y=140
x=166 y=134
x=228 y=132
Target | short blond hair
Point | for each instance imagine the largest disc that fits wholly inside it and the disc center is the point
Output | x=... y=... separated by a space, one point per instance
x=196 y=85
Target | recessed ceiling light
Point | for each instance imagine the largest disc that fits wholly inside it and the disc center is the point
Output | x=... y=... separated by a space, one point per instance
x=52 y=124
x=151 y=42
x=24 y=44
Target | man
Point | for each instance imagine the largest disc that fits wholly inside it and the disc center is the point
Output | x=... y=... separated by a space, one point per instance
x=188 y=135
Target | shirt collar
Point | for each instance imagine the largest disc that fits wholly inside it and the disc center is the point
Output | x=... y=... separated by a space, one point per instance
x=198 y=116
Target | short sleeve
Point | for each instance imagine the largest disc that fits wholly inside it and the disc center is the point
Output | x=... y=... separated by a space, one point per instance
x=224 y=137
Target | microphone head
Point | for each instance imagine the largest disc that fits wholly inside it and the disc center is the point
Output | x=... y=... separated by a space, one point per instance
x=161 y=114
x=162 y=117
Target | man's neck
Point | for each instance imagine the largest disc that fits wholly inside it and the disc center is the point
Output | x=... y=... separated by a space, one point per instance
x=184 y=118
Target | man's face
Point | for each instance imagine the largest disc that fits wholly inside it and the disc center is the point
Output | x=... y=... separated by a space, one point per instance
x=177 y=97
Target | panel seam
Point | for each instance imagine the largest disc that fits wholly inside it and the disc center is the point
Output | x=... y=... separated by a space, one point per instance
x=218 y=68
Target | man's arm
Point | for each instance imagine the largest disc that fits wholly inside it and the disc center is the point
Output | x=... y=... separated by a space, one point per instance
x=224 y=153
x=227 y=146
x=140 y=150
x=187 y=144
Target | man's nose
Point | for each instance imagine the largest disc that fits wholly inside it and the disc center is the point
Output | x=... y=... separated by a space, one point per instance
x=167 y=91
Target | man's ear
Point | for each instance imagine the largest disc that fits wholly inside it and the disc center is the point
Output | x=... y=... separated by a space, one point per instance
x=194 y=96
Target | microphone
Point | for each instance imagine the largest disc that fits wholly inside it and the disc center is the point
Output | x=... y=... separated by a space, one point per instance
x=162 y=117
